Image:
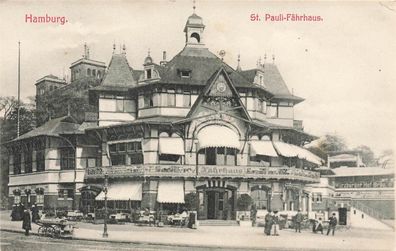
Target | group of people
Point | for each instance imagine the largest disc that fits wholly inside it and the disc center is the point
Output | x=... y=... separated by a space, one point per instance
x=271 y=226
x=20 y=213
x=318 y=224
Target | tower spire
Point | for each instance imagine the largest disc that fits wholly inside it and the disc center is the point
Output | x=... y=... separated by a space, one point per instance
x=194 y=7
x=239 y=63
x=114 y=47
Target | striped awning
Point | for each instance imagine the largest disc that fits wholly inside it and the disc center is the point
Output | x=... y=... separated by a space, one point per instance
x=174 y=146
x=125 y=190
x=217 y=136
x=289 y=150
x=262 y=148
x=285 y=150
x=170 y=192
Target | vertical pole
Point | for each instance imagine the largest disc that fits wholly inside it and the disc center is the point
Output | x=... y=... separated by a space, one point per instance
x=19 y=86
x=105 y=234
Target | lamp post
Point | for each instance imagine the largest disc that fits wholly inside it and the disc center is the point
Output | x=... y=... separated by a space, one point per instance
x=106 y=180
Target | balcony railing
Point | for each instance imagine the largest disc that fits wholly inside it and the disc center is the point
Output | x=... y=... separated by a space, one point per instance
x=203 y=171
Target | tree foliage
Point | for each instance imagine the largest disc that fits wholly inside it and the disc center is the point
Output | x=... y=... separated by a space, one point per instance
x=244 y=202
x=332 y=143
x=367 y=155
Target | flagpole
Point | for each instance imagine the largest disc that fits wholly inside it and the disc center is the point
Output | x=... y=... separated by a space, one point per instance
x=19 y=86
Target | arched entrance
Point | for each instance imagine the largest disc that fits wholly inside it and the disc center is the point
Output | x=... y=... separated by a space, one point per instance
x=261 y=195
x=216 y=201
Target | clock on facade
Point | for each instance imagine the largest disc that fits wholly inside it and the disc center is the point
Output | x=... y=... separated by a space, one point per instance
x=221 y=87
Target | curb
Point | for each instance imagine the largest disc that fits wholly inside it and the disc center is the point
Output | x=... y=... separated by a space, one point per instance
x=149 y=243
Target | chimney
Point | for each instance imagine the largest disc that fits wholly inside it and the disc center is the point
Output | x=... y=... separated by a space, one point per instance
x=163 y=62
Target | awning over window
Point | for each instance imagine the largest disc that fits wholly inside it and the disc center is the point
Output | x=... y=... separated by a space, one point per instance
x=262 y=148
x=286 y=150
x=126 y=190
x=173 y=146
x=170 y=192
x=217 y=136
x=303 y=153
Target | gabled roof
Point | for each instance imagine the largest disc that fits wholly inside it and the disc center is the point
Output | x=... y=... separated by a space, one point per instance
x=119 y=72
x=273 y=81
x=54 y=127
x=210 y=83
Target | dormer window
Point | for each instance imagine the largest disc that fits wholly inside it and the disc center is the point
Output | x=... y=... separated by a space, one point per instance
x=148 y=73
x=184 y=73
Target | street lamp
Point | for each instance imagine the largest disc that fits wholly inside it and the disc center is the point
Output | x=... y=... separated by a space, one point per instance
x=106 y=180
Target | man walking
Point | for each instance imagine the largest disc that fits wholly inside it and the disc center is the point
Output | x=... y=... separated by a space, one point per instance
x=298 y=220
x=26 y=223
x=332 y=224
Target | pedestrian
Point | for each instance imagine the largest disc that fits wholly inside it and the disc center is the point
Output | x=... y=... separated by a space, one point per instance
x=275 y=225
x=253 y=213
x=26 y=224
x=319 y=226
x=332 y=223
x=268 y=223
x=35 y=213
x=14 y=212
x=298 y=220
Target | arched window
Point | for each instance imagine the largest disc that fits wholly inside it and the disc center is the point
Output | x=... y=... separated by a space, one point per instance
x=89 y=72
x=99 y=74
x=94 y=72
x=196 y=36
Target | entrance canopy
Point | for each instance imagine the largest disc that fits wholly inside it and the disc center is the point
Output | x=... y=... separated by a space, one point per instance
x=125 y=190
x=263 y=148
x=174 y=146
x=217 y=136
x=170 y=192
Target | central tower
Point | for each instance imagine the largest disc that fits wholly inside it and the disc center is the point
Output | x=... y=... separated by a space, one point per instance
x=194 y=31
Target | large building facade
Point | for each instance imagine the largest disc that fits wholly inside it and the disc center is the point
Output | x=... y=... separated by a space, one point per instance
x=190 y=125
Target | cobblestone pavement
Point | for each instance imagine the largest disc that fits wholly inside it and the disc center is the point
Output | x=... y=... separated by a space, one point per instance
x=229 y=237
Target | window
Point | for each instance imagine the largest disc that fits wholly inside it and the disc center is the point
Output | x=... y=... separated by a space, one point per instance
x=40 y=198
x=273 y=110
x=89 y=72
x=94 y=72
x=148 y=73
x=186 y=99
x=126 y=153
x=148 y=100
x=217 y=156
x=317 y=197
x=66 y=194
x=28 y=160
x=17 y=163
x=185 y=73
x=119 y=105
x=67 y=156
x=171 y=98
x=40 y=160
x=169 y=159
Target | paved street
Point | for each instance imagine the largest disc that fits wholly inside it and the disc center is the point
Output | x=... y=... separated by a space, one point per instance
x=89 y=236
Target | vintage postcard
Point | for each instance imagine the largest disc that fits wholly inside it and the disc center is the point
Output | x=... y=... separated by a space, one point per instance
x=197 y=125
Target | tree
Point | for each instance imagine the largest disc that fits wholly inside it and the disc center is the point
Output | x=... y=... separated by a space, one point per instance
x=367 y=155
x=332 y=143
x=191 y=201
x=8 y=131
x=244 y=202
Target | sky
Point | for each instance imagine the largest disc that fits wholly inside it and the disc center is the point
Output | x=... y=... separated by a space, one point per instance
x=344 y=67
